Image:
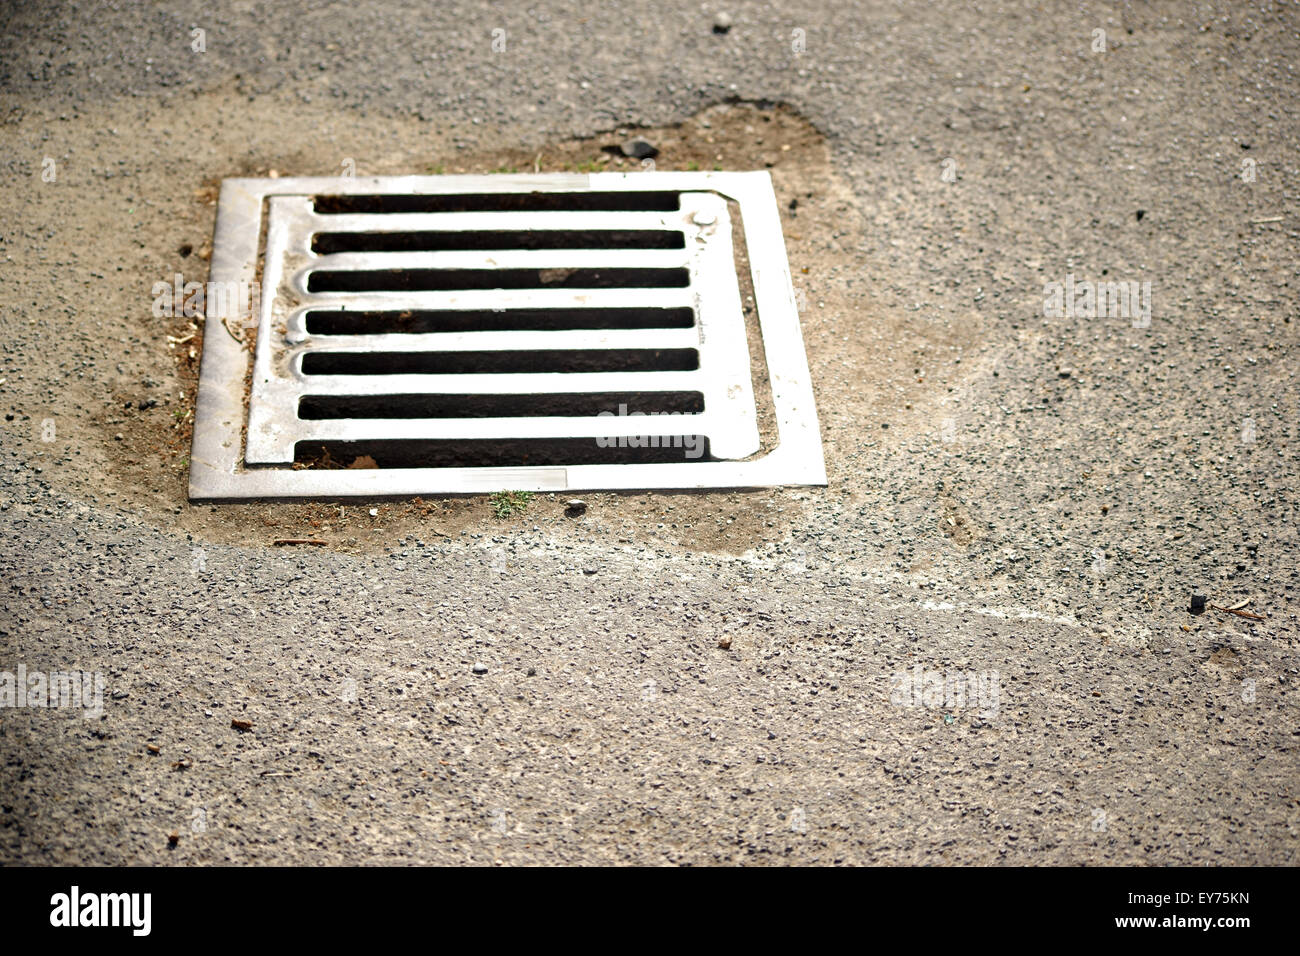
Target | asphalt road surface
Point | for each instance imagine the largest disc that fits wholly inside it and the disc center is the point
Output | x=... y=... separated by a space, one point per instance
x=973 y=646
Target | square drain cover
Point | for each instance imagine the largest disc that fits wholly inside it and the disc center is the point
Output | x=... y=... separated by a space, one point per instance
x=452 y=334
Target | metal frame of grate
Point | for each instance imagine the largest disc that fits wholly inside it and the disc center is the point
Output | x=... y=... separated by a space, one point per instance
x=228 y=463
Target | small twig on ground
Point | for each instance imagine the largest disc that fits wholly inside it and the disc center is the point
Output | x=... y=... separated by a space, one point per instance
x=1239 y=612
x=280 y=541
x=226 y=323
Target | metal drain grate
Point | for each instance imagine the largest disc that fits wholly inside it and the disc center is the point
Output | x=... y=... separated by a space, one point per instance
x=471 y=333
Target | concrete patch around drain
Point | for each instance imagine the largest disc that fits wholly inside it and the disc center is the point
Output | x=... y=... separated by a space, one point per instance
x=137 y=460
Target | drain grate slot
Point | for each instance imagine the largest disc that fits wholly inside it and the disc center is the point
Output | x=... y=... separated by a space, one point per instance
x=323 y=322
x=499 y=202
x=442 y=280
x=539 y=332
x=636 y=405
x=500 y=454
x=327 y=243
x=500 y=363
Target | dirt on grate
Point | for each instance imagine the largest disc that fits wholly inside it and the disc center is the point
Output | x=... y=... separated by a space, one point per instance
x=129 y=417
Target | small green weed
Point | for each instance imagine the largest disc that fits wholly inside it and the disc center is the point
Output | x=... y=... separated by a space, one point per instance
x=507 y=504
